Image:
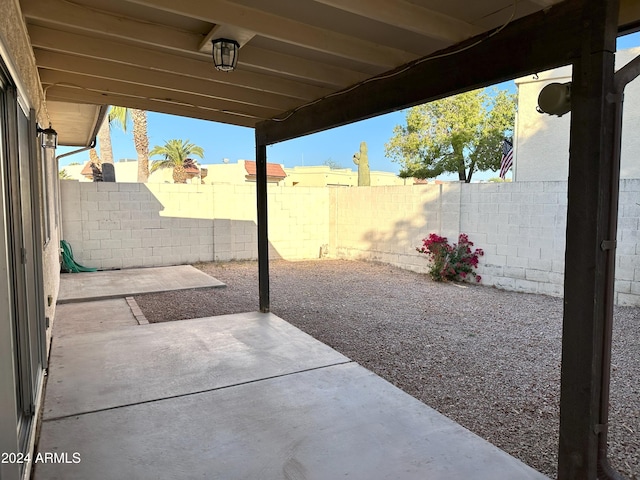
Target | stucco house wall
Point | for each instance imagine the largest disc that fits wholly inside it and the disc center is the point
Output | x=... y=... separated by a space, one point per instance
x=542 y=141
x=17 y=58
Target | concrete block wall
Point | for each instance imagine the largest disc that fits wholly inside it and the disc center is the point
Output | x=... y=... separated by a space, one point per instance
x=627 y=286
x=298 y=221
x=386 y=224
x=123 y=225
x=298 y=224
x=521 y=227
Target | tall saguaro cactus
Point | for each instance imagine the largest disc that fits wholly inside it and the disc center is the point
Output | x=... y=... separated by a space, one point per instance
x=362 y=160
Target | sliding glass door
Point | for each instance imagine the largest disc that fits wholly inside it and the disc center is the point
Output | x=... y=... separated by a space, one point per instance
x=23 y=249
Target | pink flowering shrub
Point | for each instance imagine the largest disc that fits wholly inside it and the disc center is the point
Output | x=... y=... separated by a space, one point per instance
x=451 y=262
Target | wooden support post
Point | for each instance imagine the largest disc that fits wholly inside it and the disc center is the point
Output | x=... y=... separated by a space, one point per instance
x=263 y=239
x=592 y=207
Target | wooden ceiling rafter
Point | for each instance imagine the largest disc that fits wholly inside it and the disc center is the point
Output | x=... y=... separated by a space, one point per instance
x=141 y=76
x=63 y=14
x=102 y=85
x=538 y=42
x=104 y=49
x=409 y=16
x=285 y=30
x=62 y=93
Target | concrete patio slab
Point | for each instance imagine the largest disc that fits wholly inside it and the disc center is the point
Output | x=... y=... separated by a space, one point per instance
x=82 y=287
x=87 y=317
x=102 y=370
x=341 y=421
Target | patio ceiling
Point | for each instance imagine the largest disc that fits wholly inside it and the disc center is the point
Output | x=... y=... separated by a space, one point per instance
x=155 y=54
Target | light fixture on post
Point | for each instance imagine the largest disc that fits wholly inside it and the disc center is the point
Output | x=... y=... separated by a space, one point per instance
x=225 y=54
x=49 y=137
x=555 y=99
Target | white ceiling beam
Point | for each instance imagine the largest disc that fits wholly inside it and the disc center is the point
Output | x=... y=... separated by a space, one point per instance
x=87 y=46
x=306 y=70
x=102 y=85
x=60 y=93
x=285 y=30
x=409 y=16
x=169 y=81
x=67 y=15
x=80 y=17
x=232 y=32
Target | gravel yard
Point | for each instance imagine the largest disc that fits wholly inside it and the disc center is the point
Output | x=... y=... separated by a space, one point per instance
x=486 y=358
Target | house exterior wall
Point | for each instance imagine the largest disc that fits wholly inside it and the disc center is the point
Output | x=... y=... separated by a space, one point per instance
x=51 y=251
x=17 y=57
x=542 y=141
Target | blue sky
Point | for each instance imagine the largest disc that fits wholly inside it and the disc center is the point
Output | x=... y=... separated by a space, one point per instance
x=221 y=141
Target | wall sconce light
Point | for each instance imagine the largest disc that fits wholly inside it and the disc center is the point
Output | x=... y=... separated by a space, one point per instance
x=555 y=99
x=48 y=138
x=225 y=54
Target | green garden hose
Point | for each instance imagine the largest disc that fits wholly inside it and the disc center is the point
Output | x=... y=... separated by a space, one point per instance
x=69 y=265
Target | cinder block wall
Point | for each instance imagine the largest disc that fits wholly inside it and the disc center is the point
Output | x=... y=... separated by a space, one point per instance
x=628 y=248
x=521 y=226
x=123 y=225
x=386 y=224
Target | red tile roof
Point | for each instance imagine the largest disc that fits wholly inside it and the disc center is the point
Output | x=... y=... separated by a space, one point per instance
x=273 y=169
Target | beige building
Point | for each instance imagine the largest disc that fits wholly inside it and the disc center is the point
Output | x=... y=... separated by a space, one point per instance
x=324 y=176
x=542 y=141
x=244 y=171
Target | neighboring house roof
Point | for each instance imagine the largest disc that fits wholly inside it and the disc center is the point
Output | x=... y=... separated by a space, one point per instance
x=273 y=169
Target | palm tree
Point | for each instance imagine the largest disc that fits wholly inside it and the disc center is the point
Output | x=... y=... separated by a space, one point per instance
x=141 y=142
x=120 y=116
x=176 y=155
x=117 y=116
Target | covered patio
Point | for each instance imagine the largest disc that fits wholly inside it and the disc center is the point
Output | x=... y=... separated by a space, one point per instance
x=234 y=396
x=299 y=409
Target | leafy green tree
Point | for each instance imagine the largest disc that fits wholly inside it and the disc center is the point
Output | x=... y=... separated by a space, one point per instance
x=176 y=155
x=64 y=175
x=462 y=134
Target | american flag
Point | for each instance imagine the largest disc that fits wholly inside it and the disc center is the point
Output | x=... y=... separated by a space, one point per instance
x=507 y=158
